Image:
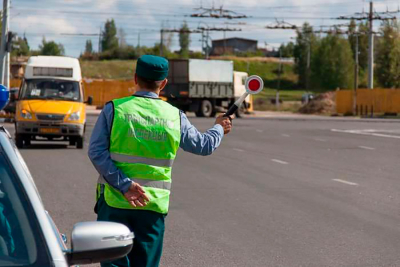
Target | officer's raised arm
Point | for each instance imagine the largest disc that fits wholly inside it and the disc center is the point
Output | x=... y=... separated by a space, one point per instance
x=203 y=144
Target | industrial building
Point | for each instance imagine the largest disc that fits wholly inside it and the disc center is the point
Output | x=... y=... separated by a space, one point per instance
x=233 y=45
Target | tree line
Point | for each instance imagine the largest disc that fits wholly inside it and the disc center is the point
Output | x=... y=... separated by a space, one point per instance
x=113 y=45
x=328 y=62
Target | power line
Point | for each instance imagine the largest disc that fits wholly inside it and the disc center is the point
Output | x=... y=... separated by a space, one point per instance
x=371 y=17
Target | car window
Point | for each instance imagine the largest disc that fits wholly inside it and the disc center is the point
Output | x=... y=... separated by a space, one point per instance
x=20 y=238
x=51 y=89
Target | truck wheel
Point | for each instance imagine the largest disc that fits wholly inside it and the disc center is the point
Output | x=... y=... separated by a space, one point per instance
x=79 y=142
x=206 y=109
x=19 y=140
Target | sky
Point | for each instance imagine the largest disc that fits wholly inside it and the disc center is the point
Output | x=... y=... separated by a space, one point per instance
x=72 y=22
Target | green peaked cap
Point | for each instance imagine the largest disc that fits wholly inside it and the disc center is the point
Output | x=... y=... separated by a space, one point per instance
x=152 y=67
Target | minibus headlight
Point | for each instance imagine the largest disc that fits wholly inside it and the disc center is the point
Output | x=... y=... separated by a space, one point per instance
x=26 y=114
x=75 y=116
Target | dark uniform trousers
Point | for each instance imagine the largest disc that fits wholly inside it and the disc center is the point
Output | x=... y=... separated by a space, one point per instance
x=148 y=227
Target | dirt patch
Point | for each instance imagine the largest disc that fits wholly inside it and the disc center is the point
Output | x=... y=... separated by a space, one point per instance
x=322 y=104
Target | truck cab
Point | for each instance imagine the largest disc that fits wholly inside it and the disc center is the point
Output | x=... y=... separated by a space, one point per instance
x=51 y=102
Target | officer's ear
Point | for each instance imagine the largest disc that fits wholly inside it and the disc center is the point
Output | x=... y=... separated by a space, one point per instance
x=136 y=81
x=163 y=84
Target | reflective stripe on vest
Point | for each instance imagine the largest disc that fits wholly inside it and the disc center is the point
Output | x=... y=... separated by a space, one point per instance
x=143 y=182
x=144 y=140
x=142 y=160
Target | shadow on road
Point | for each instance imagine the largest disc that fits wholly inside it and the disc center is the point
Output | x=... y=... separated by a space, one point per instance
x=45 y=146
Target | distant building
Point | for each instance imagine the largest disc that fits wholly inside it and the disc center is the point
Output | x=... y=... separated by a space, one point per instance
x=233 y=45
x=17 y=67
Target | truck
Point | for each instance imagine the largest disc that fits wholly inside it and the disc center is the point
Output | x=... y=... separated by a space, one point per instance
x=51 y=104
x=205 y=86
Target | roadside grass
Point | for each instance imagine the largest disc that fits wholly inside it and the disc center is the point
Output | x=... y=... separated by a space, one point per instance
x=284 y=95
x=125 y=69
x=109 y=69
x=291 y=100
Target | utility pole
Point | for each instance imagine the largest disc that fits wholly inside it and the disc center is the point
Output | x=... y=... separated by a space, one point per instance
x=371 y=48
x=161 y=42
x=207 y=47
x=355 y=78
x=308 y=67
x=224 y=42
x=279 y=79
x=381 y=16
x=100 y=41
x=4 y=55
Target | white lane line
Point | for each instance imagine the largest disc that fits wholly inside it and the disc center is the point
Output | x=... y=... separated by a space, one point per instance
x=366 y=132
x=285 y=135
x=260 y=131
x=344 y=182
x=366 y=147
x=320 y=140
x=239 y=150
x=280 y=161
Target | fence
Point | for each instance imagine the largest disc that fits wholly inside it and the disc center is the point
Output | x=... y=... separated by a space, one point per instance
x=368 y=101
x=104 y=91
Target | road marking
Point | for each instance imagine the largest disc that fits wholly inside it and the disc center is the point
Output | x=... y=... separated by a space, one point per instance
x=366 y=132
x=260 y=131
x=320 y=140
x=280 y=161
x=239 y=150
x=366 y=147
x=285 y=135
x=344 y=182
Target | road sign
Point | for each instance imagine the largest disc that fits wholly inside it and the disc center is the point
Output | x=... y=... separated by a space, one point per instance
x=4 y=95
x=254 y=85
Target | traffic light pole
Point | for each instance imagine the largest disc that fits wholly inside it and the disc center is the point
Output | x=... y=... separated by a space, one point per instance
x=4 y=55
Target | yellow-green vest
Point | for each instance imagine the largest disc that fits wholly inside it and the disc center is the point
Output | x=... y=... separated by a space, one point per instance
x=144 y=140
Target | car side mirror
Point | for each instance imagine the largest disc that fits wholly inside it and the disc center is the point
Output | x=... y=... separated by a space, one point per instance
x=93 y=242
x=89 y=100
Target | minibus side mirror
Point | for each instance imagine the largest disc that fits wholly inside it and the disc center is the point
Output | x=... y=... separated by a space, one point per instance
x=89 y=100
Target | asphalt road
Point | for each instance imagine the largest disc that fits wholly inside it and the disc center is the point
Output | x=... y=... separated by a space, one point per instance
x=276 y=193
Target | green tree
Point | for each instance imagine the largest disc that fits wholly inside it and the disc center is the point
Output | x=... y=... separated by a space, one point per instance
x=184 y=40
x=362 y=31
x=109 y=39
x=287 y=50
x=332 y=66
x=88 y=47
x=20 y=47
x=51 y=48
x=306 y=43
x=388 y=55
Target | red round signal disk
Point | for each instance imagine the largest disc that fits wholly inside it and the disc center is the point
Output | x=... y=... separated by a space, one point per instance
x=254 y=85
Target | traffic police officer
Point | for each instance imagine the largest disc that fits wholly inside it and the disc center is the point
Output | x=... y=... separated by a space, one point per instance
x=133 y=146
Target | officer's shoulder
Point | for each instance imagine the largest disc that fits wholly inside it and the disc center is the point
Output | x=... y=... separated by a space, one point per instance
x=170 y=105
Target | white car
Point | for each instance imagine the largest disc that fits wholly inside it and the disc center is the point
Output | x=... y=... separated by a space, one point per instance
x=28 y=235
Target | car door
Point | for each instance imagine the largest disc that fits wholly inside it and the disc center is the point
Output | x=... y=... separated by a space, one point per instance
x=21 y=238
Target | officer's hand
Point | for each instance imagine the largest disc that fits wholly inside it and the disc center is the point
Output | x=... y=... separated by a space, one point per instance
x=136 y=196
x=225 y=122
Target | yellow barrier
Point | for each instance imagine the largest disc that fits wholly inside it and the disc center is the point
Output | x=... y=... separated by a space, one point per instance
x=104 y=91
x=369 y=101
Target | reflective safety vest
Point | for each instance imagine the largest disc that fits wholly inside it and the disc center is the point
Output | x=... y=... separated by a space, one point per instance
x=144 y=139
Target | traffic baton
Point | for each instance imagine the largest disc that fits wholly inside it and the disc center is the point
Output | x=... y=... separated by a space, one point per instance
x=254 y=85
